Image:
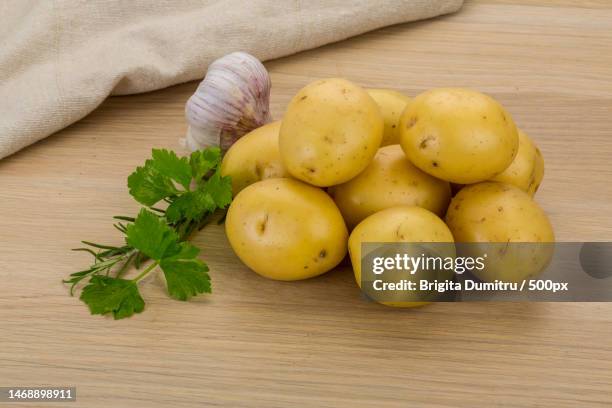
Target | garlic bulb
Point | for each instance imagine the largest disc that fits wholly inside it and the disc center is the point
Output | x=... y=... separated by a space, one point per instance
x=232 y=100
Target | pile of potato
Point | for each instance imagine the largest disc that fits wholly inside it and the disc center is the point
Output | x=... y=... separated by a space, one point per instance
x=382 y=166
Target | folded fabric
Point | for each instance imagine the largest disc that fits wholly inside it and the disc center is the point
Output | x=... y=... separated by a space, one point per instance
x=60 y=59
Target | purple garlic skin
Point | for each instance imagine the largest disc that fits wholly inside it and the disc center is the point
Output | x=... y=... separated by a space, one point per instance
x=232 y=100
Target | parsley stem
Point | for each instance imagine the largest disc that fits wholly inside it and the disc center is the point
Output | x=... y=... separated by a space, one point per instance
x=125 y=265
x=146 y=271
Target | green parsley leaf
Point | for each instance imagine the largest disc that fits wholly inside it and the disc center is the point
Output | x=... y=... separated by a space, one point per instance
x=191 y=206
x=148 y=186
x=168 y=164
x=214 y=193
x=157 y=237
x=181 y=207
x=105 y=294
x=186 y=275
x=152 y=236
x=203 y=161
x=220 y=189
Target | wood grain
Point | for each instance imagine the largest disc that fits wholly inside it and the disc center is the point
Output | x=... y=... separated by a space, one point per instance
x=317 y=343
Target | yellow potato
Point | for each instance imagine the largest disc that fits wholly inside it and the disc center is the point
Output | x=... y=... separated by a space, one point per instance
x=390 y=180
x=501 y=213
x=458 y=135
x=330 y=132
x=254 y=157
x=399 y=224
x=286 y=230
x=391 y=104
x=524 y=172
x=538 y=173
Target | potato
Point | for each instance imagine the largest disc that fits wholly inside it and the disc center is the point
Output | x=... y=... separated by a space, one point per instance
x=503 y=214
x=524 y=172
x=398 y=224
x=390 y=180
x=538 y=173
x=497 y=212
x=286 y=230
x=330 y=132
x=458 y=135
x=391 y=104
x=254 y=157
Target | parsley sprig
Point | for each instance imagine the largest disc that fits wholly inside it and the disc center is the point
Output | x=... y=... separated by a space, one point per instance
x=193 y=190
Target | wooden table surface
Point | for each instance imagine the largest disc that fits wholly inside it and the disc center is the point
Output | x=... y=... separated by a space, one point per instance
x=318 y=343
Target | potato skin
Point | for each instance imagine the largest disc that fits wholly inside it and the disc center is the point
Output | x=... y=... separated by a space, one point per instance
x=527 y=168
x=497 y=212
x=330 y=132
x=492 y=212
x=458 y=135
x=538 y=173
x=397 y=224
x=254 y=157
x=389 y=180
x=287 y=230
x=391 y=104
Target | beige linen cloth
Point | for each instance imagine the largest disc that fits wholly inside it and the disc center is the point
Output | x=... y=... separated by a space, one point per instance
x=59 y=59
